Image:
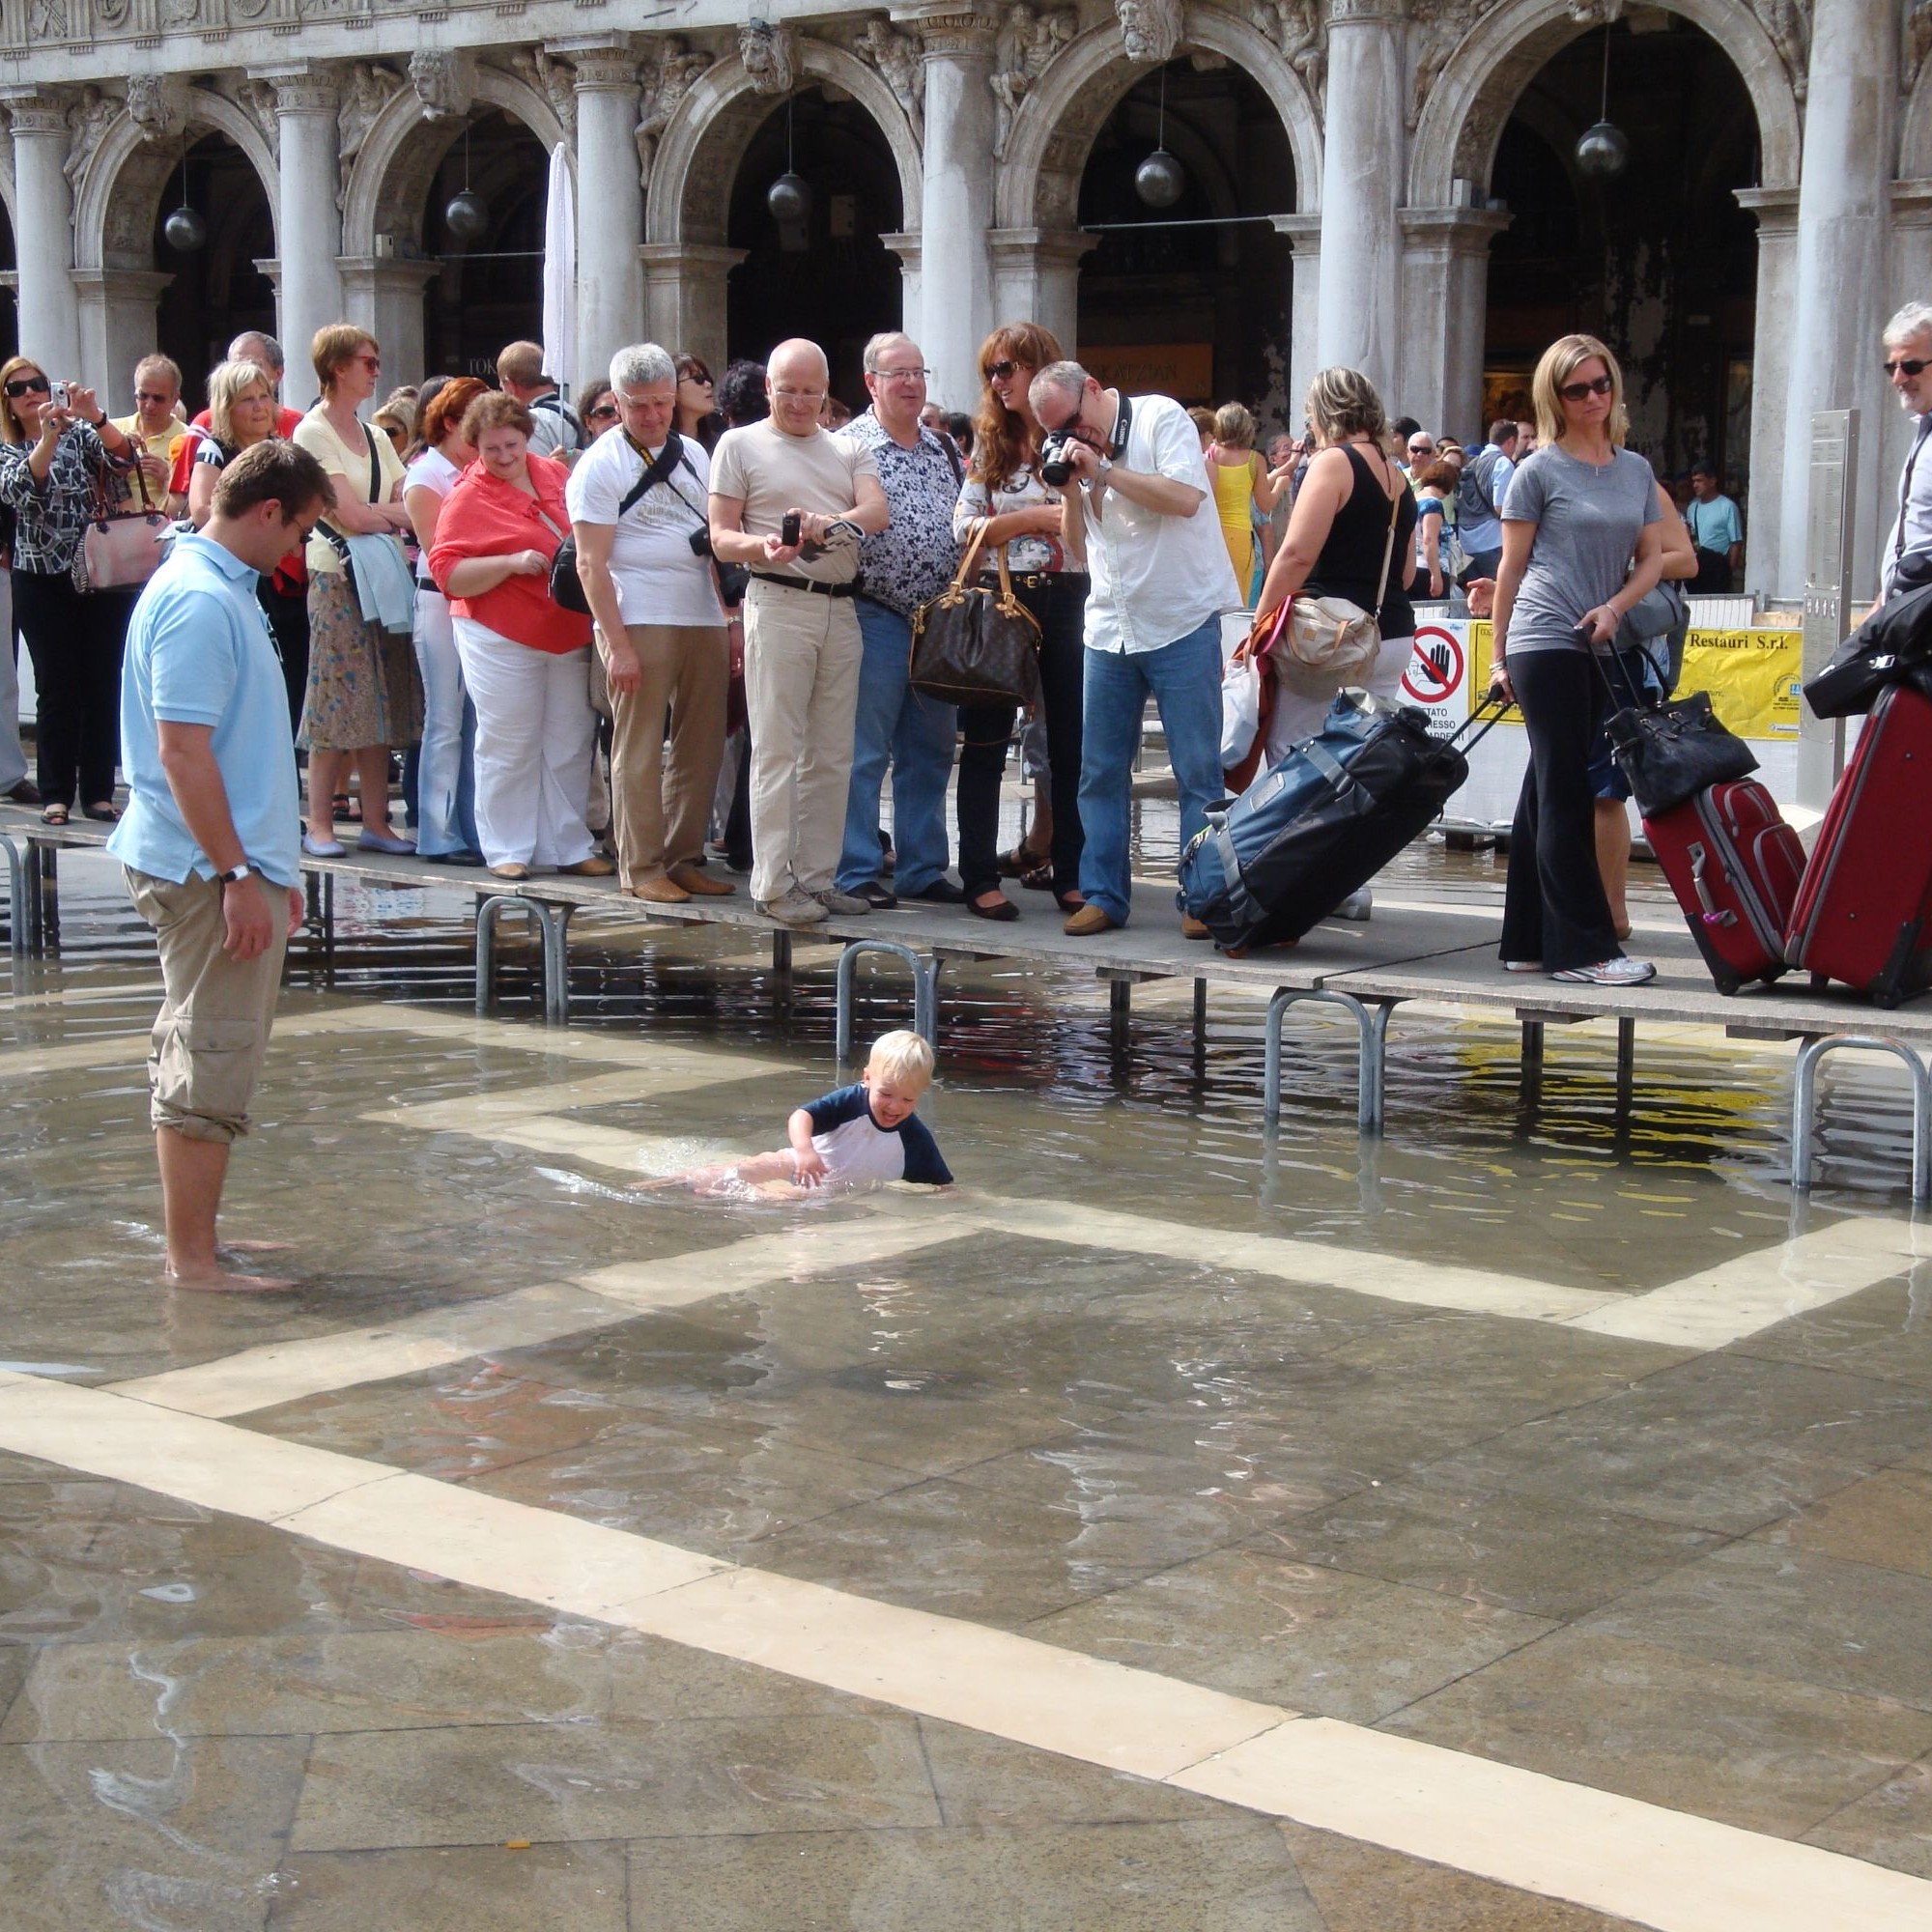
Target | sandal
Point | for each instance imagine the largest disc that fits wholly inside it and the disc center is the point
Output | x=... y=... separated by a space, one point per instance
x=105 y=812
x=341 y=806
x=1033 y=869
x=54 y=815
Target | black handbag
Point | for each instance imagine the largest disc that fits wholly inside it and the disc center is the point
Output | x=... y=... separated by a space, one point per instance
x=976 y=643
x=1891 y=646
x=1672 y=750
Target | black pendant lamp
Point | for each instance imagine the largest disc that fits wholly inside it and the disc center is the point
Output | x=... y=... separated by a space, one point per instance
x=467 y=216
x=185 y=229
x=789 y=197
x=1160 y=179
x=1604 y=151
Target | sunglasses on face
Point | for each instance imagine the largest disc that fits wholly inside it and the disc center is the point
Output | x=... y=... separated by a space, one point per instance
x=28 y=386
x=695 y=376
x=999 y=372
x=1574 y=392
x=1906 y=365
x=603 y=413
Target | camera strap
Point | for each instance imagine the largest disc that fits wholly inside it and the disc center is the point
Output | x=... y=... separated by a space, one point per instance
x=661 y=469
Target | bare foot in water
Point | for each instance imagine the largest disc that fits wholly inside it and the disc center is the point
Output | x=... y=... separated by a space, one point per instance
x=213 y=1280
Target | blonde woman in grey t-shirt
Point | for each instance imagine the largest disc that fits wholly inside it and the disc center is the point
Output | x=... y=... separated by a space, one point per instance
x=1583 y=542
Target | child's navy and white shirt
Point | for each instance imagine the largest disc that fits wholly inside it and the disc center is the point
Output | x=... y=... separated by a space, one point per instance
x=854 y=1148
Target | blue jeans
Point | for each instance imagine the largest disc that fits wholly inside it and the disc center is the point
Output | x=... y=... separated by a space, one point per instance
x=1185 y=678
x=445 y=797
x=912 y=734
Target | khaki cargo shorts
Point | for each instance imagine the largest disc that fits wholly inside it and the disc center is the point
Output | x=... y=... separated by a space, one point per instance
x=211 y=1033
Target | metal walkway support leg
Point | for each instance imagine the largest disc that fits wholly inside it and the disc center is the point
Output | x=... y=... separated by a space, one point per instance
x=43 y=895
x=1803 y=1104
x=1371 y=1024
x=924 y=990
x=553 y=923
x=16 y=899
x=549 y=928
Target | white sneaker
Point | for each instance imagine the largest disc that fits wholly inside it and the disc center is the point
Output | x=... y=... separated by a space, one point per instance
x=1608 y=973
x=1522 y=965
x=792 y=908
x=845 y=904
x=1357 y=905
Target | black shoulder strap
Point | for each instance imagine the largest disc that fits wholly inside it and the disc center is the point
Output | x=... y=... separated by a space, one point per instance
x=952 y=449
x=375 y=465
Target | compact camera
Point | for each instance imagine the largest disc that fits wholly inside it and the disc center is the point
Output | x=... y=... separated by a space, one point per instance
x=1055 y=471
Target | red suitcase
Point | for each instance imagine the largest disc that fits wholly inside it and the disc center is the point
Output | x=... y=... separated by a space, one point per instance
x=1864 y=909
x=1734 y=865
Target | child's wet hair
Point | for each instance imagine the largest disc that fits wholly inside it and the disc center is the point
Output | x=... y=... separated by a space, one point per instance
x=903 y=1057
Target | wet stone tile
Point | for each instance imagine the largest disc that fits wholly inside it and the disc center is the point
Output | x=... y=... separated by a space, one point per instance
x=1744 y=1747
x=1258 y=1624
x=144 y=1834
x=653 y=1678
x=1545 y=1558
x=485 y=1783
x=1886 y=1522
x=1885 y=1332
x=1792 y=1615
x=453 y=1889
x=1362 y=1887
x=1889 y=1826
x=1230 y=1874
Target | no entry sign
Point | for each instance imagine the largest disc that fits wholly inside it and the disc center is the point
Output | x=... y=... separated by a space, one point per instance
x=1436 y=678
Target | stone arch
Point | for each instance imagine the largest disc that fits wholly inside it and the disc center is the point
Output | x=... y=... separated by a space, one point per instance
x=120 y=192
x=404 y=148
x=1484 y=79
x=690 y=194
x=1054 y=131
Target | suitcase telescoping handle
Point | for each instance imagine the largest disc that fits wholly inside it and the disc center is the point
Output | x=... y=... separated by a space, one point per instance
x=1488 y=714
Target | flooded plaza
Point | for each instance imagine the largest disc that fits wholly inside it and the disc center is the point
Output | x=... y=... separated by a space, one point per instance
x=1519 y=1524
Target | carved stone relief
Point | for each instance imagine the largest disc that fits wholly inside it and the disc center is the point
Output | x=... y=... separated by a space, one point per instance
x=1918 y=44
x=667 y=79
x=366 y=92
x=256 y=99
x=180 y=13
x=46 y=20
x=1150 y=29
x=157 y=104
x=1297 y=28
x=444 y=80
x=771 y=57
x=1437 y=27
x=1790 y=34
x=90 y=118
x=1030 y=39
x=897 y=58
x=552 y=78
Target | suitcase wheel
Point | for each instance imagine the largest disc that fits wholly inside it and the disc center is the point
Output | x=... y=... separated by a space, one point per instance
x=1888 y=999
x=1819 y=981
x=1727 y=985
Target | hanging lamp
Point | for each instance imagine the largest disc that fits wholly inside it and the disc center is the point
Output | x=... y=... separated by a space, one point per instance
x=185 y=229
x=789 y=197
x=1160 y=179
x=1604 y=151
x=467 y=216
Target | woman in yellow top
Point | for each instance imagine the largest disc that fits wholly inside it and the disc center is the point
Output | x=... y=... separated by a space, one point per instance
x=1242 y=485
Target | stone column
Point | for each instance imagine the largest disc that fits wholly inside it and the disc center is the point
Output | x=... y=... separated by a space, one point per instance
x=384 y=294
x=1445 y=293
x=308 y=224
x=955 y=307
x=1777 y=213
x=43 y=235
x=117 y=326
x=1304 y=234
x=1843 y=214
x=1358 y=315
x=609 y=203
x=906 y=246
x=684 y=295
x=1036 y=279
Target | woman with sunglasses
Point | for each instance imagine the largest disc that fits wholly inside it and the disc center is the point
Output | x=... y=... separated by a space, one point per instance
x=598 y=406
x=57 y=460
x=1582 y=543
x=697 y=418
x=1002 y=491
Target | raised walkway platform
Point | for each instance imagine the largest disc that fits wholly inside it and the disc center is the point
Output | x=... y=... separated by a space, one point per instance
x=1408 y=952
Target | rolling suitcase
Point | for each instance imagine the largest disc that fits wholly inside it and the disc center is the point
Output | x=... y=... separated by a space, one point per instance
x=1735 y=866
x=1323 y=820
x=1864 y=908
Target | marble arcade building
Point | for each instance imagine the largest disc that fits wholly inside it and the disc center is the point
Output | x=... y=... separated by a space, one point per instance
x=1389 y=183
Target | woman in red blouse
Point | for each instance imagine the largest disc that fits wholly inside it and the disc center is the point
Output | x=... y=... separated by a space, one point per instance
x=525 y=660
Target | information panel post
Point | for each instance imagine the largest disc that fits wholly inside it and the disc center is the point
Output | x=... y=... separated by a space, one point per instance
x=1828 y=592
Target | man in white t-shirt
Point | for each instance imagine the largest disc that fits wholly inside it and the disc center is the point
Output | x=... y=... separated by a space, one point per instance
x=787 y=477
x=637 y=500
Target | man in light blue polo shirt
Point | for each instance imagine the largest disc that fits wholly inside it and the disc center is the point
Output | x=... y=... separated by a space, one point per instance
x=209 y=839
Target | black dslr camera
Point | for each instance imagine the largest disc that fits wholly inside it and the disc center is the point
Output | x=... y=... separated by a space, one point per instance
x=1055 y=471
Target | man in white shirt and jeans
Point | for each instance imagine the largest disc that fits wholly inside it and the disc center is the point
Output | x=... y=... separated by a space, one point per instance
x=1161 y=578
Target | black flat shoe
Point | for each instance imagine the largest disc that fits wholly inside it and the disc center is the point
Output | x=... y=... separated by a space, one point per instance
x=1003 y=909
x=453 y=857
x=941 y=892
x=876 y=895
x=103 y=813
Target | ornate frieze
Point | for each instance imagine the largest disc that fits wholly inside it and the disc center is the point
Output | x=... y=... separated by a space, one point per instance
x=667 y=78
x=771 y=57
x=1150 y=29
x=901 y=67
x=1030 y=39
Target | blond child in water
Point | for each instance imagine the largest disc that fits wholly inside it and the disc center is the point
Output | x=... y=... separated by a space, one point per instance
x=852 y=1136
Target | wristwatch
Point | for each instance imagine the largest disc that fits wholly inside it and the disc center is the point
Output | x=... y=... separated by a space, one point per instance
x=1106 y=467
x=236 y=873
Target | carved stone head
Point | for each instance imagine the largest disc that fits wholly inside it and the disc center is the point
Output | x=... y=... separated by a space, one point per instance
x=1150 y=29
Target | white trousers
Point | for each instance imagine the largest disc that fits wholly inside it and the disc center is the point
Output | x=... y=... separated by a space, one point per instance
x=1297 y=718
x=535 y=733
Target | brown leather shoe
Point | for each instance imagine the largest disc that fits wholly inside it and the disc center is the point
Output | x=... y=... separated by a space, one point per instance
x=593 y=867
x=1086 y=922
x=1192 y=929
x=660 y=891
x=510 y=869
x=701 y=882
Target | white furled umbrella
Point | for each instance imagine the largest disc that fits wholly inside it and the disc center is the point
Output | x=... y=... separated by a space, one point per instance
x=559 y=272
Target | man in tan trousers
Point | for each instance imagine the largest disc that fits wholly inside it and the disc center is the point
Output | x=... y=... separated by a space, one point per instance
x=802 y=647
x=637 y=500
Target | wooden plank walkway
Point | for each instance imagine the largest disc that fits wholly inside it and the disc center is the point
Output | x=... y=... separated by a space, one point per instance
x=1439 y=954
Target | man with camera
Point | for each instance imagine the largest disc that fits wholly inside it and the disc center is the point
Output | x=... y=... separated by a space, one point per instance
x=638 y=510
x=907 y=563
x=1161 y=578
x=791 y=501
